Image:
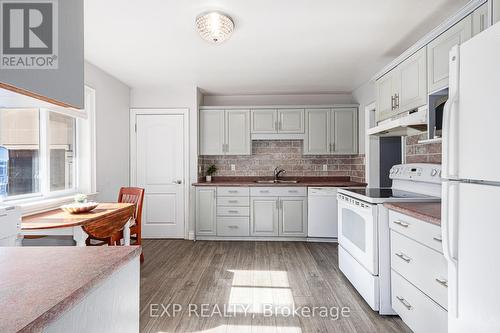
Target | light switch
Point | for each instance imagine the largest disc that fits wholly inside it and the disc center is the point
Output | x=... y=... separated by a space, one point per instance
x=325 y=167
x=233 y=167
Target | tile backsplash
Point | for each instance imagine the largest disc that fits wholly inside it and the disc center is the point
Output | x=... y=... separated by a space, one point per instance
x=287 y=154
x=422 y=153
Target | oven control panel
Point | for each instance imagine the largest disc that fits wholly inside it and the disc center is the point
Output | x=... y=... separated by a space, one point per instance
x=429 y=173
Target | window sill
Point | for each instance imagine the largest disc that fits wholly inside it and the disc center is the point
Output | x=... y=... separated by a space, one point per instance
x=34 y=206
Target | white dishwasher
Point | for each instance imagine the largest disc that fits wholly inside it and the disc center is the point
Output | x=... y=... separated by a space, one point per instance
x=322 y=219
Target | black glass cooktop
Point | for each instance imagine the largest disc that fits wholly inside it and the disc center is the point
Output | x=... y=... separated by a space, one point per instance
x=384 y=193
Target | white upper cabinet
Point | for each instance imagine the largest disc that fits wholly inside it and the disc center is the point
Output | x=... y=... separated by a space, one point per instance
x=212 y=132
x=387 y=91
x=496 y=11
x=238 y=132
x=344 y=134
x=439 y=49
x=331 y=131
x=264 y=121
x=277 y=121
x=480 y=19
x=225 y=132
x=413 y=80
x=317 y=140
x=291 y=121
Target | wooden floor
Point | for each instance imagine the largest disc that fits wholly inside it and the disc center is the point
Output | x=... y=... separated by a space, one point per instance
x=249 y=275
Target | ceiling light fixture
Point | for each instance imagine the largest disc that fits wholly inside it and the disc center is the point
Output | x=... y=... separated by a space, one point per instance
x=214 y=26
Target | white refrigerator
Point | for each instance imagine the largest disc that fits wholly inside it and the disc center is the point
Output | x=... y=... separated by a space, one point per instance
x=471 y=187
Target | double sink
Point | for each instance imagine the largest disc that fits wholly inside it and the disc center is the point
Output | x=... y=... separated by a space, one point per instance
x=276 y=181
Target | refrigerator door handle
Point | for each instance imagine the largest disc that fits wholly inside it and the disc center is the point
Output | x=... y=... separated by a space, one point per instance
x=450 y=138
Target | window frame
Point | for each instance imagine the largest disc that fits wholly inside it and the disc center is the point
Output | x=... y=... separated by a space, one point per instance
x=84 y=140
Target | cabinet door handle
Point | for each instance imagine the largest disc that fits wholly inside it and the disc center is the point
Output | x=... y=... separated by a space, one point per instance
x=264 y=191
x=233 y=201
x=438 y=239
x=401 y=223
x=232 y=211
x=396 y=98
x=442 y=282
x=233 y=191
x=232 y=226
x=392 y=102
x=403 y=256
x=293 y=191
x=404 y=302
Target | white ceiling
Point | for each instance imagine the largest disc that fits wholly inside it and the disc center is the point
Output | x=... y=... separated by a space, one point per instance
x=278 y=46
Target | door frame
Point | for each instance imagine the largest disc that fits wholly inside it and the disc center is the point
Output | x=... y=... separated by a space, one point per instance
x=134 y=112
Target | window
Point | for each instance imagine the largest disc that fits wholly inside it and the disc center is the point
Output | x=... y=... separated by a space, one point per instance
x=41 y=148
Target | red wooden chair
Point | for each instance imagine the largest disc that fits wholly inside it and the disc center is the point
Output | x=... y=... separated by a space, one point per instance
x=134 y=195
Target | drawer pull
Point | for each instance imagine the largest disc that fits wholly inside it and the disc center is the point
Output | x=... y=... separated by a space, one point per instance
x=233 y=201
x=293 y=191
x=264 y=191
x=442 y=282
x=232 y=226
x=233 y=191
x=401 y=223
x=438 y=239
x=233 y=211
x=403 y=257
x=404 y=302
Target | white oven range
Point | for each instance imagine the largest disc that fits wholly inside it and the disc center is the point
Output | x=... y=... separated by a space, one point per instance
x=364 y=245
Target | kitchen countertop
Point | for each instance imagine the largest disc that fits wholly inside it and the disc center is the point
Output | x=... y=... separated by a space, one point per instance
x=38 y=284
x=303 y=182
x=425 y=211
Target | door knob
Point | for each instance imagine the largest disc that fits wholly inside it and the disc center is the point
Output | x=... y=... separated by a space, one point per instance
x=177 y=182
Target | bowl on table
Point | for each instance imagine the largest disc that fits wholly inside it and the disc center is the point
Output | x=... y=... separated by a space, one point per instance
x=79 y=207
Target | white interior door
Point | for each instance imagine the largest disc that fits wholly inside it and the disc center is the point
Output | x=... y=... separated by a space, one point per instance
x=160 y=171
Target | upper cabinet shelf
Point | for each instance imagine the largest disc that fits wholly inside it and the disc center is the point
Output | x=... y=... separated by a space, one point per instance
x=326 y=130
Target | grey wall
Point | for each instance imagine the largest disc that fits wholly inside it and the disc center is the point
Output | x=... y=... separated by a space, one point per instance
x=112 y=132
x=64 y=84
x=364 y=95
x=179 y=97
x=280 y=99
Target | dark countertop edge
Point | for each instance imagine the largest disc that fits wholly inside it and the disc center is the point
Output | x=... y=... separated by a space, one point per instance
x=226 y=184
x=414 y=212
x=51 y=315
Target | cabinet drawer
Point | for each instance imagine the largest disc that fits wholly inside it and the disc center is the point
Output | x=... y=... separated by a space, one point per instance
x=233 y=191
x=233 y=201
x=233 y=211
x=423 y=267
x=278 y=191
x=426 y=233
x=417 y=310
x=233 y=226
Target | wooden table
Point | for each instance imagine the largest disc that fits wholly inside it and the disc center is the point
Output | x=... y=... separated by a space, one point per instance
x=58 y=222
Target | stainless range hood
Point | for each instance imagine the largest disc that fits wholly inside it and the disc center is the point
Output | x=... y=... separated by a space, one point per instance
x=407 y=124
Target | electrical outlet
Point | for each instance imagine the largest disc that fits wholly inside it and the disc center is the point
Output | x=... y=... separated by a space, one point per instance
x=325 y=167
x=233 y=167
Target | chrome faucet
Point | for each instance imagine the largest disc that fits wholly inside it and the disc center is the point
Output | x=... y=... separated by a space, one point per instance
x=278 y=172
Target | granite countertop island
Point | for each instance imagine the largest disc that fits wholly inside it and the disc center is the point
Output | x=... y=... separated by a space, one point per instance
x=245 y=181
x=426 y=211
x=40 y=284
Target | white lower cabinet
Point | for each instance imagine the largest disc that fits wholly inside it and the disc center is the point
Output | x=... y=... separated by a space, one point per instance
x=496 y=11
x=206 y=210
x=264 y=216
x=256 y=212
x=415 y=308
x=419 y=273
x=293 y=216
